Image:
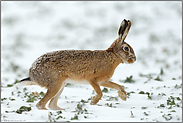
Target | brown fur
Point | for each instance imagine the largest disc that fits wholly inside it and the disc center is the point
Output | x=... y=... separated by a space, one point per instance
x=51 y=70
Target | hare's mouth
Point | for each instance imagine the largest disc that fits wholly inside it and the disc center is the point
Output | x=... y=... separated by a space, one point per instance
x=131 y=60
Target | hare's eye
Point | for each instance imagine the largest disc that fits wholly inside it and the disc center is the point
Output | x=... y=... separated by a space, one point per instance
x=126 y=48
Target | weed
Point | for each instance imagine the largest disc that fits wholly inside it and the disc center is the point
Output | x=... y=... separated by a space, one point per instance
x=148 y=94
x=3 y=99
x=172 y=111
x=22 y=109
x=167 y=117
x=68 y=84
x=34 y=96
x=42 y=94
x=144 y=107
x=146 y=114
x=128 y=80
x=178 y=86
x=59 y=117
x=90 y=98
x=59 y=112
x=178 y=98
x=162 y=94
x=161 y=105
x=110 y=105
x=50 y=119
x=141 y=92
x=149 y=76
x=105 y=90
x=158 y=78
x=84 y=101
x=79 y=109
x=128 y=93
x=161 y=71
x=11 y=99
x=74 y=118
x=24 y=89
x=112 y=98
x=171 y=101
x=10 y=85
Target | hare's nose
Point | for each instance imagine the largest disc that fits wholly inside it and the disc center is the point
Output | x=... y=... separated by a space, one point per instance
x=134 y=59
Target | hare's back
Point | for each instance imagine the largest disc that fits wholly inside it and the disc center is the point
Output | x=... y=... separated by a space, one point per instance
x=71 y=62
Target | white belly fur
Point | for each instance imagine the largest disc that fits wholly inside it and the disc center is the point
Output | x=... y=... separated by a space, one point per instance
x=83 y=82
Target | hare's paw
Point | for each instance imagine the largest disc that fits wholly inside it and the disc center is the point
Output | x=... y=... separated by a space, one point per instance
x=56 y=108
x=122 y=95
x=94 y=100
x=41 y=107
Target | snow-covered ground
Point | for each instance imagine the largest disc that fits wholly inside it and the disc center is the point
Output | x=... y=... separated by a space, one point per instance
x=30 y=29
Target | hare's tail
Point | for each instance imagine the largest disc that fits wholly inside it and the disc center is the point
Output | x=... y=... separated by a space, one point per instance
x=25 y=82
x=26 y=79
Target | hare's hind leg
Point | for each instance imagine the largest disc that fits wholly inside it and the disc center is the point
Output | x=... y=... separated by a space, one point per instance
x=121 y=91
x=53 y=103
x=53 y=89
x=99 y=95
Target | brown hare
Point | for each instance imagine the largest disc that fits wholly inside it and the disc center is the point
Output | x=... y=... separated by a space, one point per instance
x=53 y=70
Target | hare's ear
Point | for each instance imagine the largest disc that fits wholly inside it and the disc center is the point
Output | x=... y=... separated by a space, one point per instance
x=123 y=30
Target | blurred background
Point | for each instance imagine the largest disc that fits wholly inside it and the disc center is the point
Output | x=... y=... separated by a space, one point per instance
x=30 y=29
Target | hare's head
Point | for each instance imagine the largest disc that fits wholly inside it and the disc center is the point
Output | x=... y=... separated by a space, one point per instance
x=123 y=50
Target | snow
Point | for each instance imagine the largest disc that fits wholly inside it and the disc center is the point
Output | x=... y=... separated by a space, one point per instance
x=30 y=29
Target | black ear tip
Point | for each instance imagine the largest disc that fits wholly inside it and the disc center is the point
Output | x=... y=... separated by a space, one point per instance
x=125 y=20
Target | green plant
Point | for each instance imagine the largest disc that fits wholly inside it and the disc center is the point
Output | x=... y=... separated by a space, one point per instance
x=79 y=108
x=161 y=71
x=3 y=99
x=74 y=118
x=22 y=109
x=149 y=76
x=141 y=92
x=10 y=85
x=144 y=107
x=146 y=114
x=161 y=105
x=32 y=97
x=110 y=105
x=171 y=101
x=158 y=79
x=128 y=80
x=105 y=90
x=167 y=117
x=112 y=98
x=148 y=94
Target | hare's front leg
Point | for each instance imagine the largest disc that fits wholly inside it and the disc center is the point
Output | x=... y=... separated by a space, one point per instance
x=121 y=91
x=97 y=89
